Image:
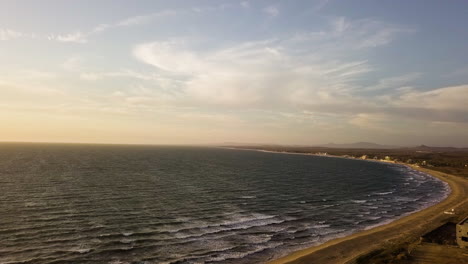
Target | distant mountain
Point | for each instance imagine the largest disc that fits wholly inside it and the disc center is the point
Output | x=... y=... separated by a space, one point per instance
x=359 y=145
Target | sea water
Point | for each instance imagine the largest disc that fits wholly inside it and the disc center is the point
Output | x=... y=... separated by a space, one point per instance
x=155 y=204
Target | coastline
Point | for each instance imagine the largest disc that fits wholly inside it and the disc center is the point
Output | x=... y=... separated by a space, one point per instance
x=405 y=229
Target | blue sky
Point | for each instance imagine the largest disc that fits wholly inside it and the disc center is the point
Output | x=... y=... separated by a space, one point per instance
x=182 y=72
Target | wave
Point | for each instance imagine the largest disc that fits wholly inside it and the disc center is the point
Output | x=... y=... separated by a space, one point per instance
x=320 y=226
x=383 y=193
x=239 y=255
x=239 y=220
x=80 y=250
x=183 y=208
x=248 y=197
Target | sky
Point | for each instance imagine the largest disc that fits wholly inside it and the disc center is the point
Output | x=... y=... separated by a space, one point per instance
x=208 y=72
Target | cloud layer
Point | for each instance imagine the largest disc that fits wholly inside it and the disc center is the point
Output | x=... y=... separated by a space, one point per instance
x=249 y=77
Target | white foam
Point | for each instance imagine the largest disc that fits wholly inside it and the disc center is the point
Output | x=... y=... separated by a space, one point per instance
x=127 y=240
x=239 y=255
x=383 y=193
x=320 y=226
x=80 y=249
x=235 y=220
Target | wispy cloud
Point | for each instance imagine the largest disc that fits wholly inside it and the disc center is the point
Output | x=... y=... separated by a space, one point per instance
x=76 y=37
x=83 y=36
x=396 y=82
x=272 y=11
x=446 y=98
x=73 y=63
x=251 y=73
x=145 y=19
x=274 y=74
x=8 y=34
x=94 y=76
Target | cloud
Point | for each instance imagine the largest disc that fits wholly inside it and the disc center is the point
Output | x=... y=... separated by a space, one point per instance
x=166 y=56
x=76 y=37
x=145 y=19
x=8 y=34
x=73 y=63
x=38 y=75
x=346 y=35
x=446 y=98
x=83 y=36
x=245 y=4
x=372 y=121
x=321 y=4
x=101 y=27
x=281 y=72
x=285 y=75
x=374 y=33
x=137 y=20
x=89 y=76
x=261 y=72
x=93 y=76
x=272 y=11
x=28 y=85
x=397 y=82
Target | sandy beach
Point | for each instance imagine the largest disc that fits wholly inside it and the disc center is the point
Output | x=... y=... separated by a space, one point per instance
x=406 y=229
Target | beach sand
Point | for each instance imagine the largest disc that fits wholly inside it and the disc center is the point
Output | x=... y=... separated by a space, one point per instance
x=403 y=230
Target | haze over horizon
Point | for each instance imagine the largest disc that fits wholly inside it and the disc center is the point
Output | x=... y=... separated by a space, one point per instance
x=199 y=72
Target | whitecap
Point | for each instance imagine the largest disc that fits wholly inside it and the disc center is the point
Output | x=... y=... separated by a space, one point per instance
x=384 y=193
x=320 y=226
x=80 y=249
x=248 y=197
x=127 y=241
x=239 y=255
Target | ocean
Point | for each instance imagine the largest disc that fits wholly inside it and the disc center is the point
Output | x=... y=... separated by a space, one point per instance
x=64 y=203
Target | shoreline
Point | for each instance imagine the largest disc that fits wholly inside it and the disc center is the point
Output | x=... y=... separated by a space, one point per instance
x=404 y=229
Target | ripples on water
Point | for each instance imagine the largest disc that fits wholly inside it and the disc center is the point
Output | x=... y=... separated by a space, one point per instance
x=135 y=204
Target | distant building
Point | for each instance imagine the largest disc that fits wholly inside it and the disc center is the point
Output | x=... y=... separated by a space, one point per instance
x=364 y=157
x=462 y=233
x=388 y=158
